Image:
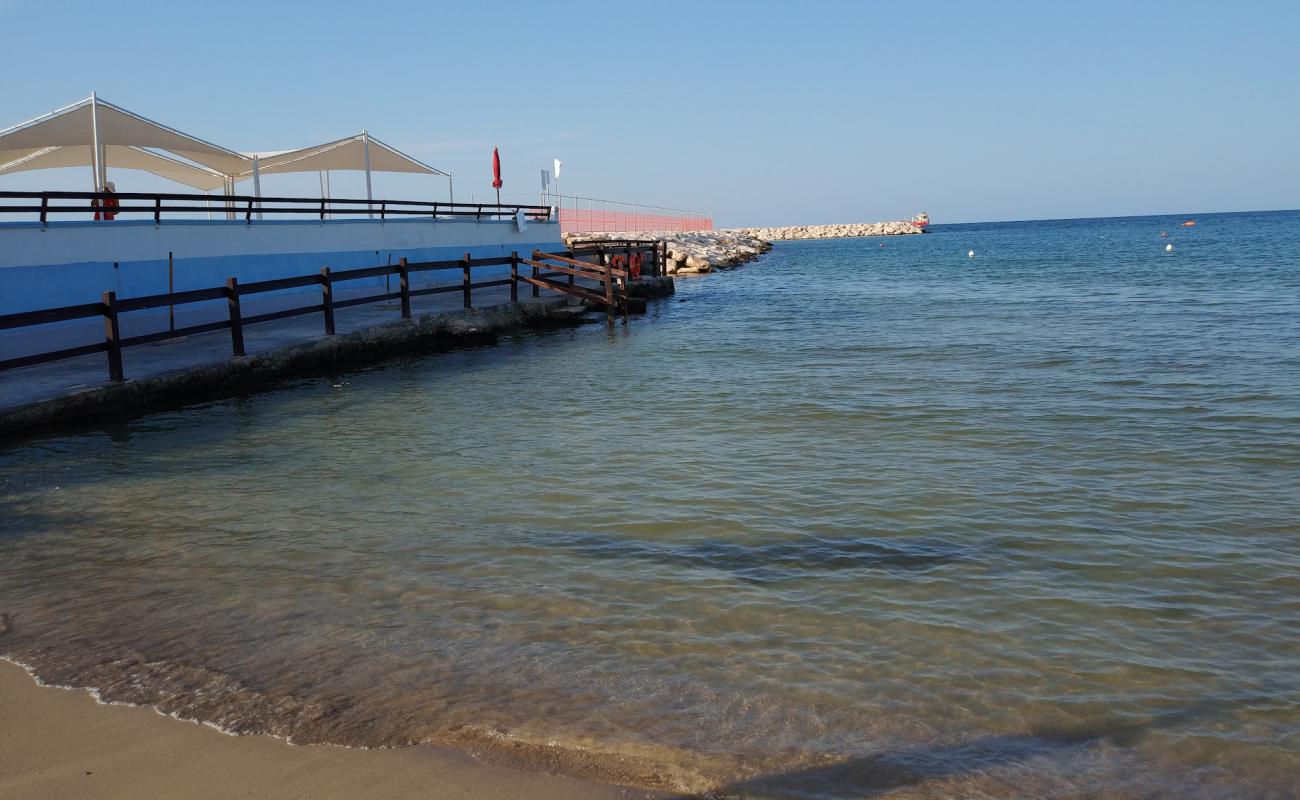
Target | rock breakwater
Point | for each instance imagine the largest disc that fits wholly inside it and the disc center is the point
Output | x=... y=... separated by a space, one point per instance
x=696 y=252
x=895 y=228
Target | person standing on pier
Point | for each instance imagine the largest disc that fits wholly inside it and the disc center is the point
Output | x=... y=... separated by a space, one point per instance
x=109 y=205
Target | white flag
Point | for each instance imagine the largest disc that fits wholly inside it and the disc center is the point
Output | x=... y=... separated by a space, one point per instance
x=558 y=164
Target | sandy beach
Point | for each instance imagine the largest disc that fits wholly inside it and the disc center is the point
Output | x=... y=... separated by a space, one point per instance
x=61 y=743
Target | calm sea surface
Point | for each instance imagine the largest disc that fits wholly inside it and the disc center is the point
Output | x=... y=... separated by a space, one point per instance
x=863 y=518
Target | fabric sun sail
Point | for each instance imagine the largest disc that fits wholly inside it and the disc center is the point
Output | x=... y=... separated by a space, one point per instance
x=119 y=157
x=343 y=154
x=79 y=124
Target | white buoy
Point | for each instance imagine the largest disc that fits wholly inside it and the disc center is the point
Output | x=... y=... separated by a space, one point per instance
x=1169 y=248
x=970 y=253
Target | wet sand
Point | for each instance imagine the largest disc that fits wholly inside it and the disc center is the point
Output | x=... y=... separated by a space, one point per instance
x=60 y=743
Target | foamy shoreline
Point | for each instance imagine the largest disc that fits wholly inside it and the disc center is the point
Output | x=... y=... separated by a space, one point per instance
x=63 y=741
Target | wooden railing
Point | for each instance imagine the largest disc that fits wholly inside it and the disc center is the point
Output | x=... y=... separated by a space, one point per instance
x=46 y=204
x=619 y=261
x=609 y=291
x=651 y=254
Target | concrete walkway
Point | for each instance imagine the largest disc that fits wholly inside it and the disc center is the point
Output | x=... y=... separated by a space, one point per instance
x=20 y=387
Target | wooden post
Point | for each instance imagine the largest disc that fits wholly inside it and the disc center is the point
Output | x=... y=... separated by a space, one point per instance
x=112 y=337
x=609 y=291
x=514 y=276
x=405 y=287
x=627 y=263
x=236 y=319
x=465 y=281
x=171 y=289
x=327 y=300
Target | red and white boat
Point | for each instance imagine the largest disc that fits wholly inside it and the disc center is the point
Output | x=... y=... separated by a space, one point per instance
x=921 y=220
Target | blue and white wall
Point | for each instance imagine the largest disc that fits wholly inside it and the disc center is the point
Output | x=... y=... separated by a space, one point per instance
x=66 y=263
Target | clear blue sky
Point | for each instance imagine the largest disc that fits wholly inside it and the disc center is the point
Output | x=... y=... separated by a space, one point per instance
x=764 y=113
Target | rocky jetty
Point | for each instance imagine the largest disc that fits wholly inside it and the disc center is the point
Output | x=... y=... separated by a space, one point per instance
x=692 y=252
x=696 y=252
x=896 y=228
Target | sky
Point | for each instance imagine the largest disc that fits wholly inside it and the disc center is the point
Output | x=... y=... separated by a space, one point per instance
x=762 y=113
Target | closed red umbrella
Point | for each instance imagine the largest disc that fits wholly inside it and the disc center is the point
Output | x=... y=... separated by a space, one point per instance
x=496 y=173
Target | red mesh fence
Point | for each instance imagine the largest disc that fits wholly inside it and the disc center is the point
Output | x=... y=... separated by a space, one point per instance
x=584 y=220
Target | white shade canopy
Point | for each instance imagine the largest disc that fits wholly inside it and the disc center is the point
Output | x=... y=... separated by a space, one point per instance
x=94 y=121
x=342 y=154
x=120 y=157
x=98 y=134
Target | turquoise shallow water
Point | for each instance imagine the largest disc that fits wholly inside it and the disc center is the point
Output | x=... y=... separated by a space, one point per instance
x=855 y=520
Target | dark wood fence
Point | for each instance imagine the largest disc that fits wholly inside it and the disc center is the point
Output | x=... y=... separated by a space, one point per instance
x=605 y=285
x=46 y=204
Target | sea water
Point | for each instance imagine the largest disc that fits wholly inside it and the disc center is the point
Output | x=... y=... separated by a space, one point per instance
x=865 y=517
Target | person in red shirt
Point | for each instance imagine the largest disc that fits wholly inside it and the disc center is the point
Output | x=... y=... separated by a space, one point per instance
x=109 y=204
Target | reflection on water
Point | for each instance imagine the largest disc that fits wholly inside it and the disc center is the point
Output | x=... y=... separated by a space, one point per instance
x=854 y=521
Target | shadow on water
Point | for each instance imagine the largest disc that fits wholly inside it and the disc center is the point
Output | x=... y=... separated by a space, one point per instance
x=765 y=562
x=29 y=521
x=879 y=774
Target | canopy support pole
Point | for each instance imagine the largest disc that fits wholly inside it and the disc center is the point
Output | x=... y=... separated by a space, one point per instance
x=365 y=144
x=451 y=195
x=257 y=186
x=97 y=157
